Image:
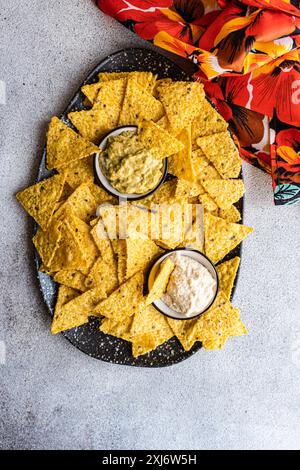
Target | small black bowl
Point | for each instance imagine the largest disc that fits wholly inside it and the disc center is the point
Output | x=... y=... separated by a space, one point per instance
x=198 y=256
x=102 y=180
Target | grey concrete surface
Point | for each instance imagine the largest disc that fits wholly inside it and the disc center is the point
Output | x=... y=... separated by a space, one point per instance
x=55 y=397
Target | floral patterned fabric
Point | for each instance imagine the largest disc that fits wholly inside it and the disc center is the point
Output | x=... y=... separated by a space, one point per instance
x=248 y=55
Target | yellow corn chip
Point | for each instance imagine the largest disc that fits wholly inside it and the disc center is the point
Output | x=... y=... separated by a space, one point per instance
x=125 y=301
x=224 y=192
x=139 y=105
x=120 y=246
x=202 y=167
x=227 y=273
x=139 y=254
x=222 y=152
x=186 y=189
x=40 y=199
x=231 y=214
x=120 y=329
x=217 y=343
x=77 y=311
x=74 y=279
x=159 y=142
x=208 y=203
x=65 y=294
x=79 y=172
x=103 y=274
x=145 y=79
x=181 y=101
x=160 y=282
x=221 y=321
x=47 y=242
x=221 y=236
x=208 y=121
x=149 y=330
x=81 y=202
x=185 y=331
x=180 y=164
x=100 y=195
x=68 y=255
x=65 y=146
x=91 y=91
x=81 y=232
x=104 y=115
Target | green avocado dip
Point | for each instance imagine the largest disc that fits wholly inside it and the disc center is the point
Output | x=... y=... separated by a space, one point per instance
x=130 y=168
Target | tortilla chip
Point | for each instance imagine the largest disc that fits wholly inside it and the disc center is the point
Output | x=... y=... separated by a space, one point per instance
x=181 y=101
x=186 y=189
x=159 y=142
x=164 y=195
x=68 y=255
x=102 y=241
x=172 y=225
x=103 y=274
x=221 y=321
x=180 y=165
x=232 y=214
x=81 y=202
x=79 y=172
x=202 y=168
x=149 y=330
x=120 y=247
x=104 y=115
x=145 y=79
x=120 y=329
x=40 y=199
x=47 y=242
x=65 y=146
x=125 y=301
x=207 y=122
x=185 y=331
x=77 y=311
x=85 y=241
x=139 y=254
x=208 y=203
x=221 y=237
x=74 y=279
x=222 y=152
x=139 y=105
x=159 y=84
x=213 y=344
x=65 y=295
x=227 y=273
x=91 y=91
x=100 y=195
x=161 y=281
x=224 y=192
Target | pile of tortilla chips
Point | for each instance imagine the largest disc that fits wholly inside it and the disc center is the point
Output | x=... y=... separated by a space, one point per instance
x=102 y=272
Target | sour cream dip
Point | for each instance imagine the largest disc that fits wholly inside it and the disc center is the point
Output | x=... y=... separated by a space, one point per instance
x=191 y=287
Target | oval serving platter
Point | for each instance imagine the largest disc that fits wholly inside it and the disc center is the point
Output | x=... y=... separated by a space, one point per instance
x=88 y=338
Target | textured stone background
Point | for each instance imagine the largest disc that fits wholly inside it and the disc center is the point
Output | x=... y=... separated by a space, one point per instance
x=53 y=396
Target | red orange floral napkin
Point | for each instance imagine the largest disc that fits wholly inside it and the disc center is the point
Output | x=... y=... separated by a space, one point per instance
x=248 y=55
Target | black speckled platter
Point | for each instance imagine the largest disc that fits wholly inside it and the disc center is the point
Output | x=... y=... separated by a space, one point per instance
x=88 y=338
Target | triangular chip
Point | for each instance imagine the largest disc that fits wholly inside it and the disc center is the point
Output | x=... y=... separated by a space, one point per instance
x=82 y=232
x=208 y=203
x=125 y=301
x=227 y=273
x=81 y=203
x=120 y=329
x=159 y=142
x=231 y=214
x=79 y=172
x=145 y=79
x=221 y=237
x=203 y=169
x=68 y=255
x=77 y=311
x=47 y=242
x=185 y=331
x=139 y=254
x=220 y=149
x=65 y=294
x=149 y=330
x=224 y=192
x=139 y=105
x=74 y=279
x=161 y=280
x=207 y=122
x=103 y=274
x=40 y=199
x=180 y=164
x=104 y=115
x=213 y=344
x=181 y=101
x=65 y=146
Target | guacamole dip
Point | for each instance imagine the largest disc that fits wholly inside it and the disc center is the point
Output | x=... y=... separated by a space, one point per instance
x=131 y=168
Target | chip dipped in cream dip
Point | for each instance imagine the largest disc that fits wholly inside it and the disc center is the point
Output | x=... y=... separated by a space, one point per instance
x=191 y=287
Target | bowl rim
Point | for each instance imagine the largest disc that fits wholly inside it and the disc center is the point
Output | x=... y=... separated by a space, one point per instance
x=165 y=255
x=115 y=192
